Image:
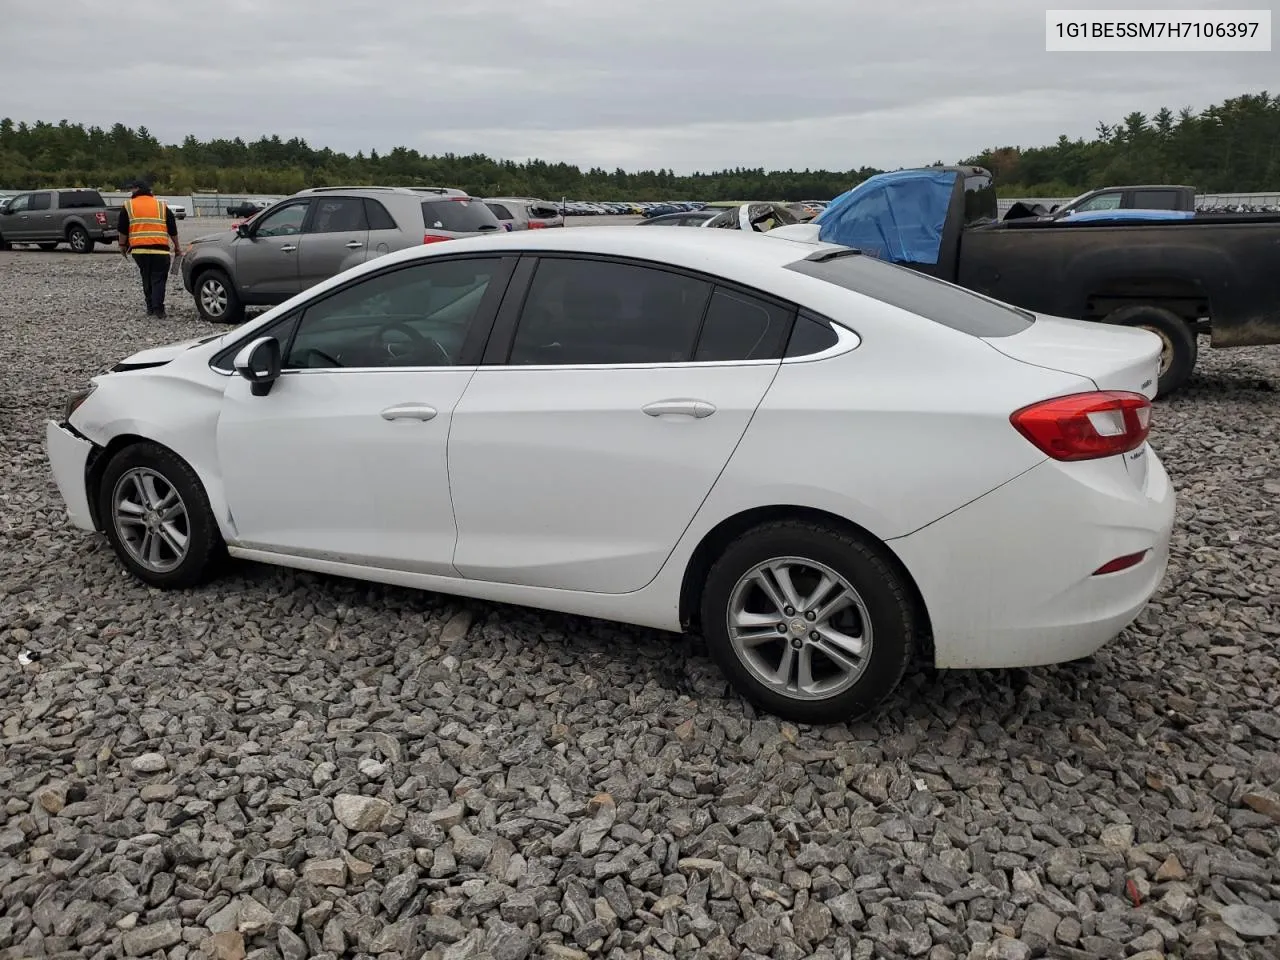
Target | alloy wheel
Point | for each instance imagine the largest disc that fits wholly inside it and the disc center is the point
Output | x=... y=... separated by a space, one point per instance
x=151 y=519
x=800 y=628
x=213 y=297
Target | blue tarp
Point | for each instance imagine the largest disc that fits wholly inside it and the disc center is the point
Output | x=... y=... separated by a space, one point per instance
x=1086 y=215
x=896 y=216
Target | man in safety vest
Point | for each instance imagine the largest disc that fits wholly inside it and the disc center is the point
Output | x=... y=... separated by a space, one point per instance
x=146 y=227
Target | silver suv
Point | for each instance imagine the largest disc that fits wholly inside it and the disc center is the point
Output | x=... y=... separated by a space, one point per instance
x=317 y=233
x=522 y=213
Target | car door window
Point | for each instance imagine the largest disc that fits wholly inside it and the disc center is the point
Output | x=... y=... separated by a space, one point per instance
x=415 y=316
x=1155 y=199
x=339 y=215
x=41 y=201
x=601 y=312
x=739 y=326
x=377 y=216
x=1103 y=201
x=285 y=222
x=20 y=204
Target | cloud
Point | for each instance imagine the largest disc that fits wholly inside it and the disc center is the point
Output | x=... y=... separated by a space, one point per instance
x=685 y=84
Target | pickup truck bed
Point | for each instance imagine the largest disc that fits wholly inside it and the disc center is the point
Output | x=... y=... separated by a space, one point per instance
x=1211 y=273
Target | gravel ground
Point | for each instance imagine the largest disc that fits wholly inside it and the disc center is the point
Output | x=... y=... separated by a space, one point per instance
x=288 y=766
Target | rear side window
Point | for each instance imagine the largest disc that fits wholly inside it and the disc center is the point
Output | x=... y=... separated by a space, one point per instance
x=41 y=201
x=460 y=216
x=377 y=215
x=936 y=300
x=1155 y=199
x=339 y=215
x=68 y=199
x=499 y=211
x=741 y=327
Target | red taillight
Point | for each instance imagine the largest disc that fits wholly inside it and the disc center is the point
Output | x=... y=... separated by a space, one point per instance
x=1086 y=426
x=1121 y=563
x=432 y=238
x=100 y=217
x=536 y=225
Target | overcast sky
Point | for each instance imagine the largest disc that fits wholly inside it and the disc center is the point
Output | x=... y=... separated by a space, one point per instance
x=685 y=84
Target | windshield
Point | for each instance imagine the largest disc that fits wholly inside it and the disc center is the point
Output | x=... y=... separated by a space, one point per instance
x=936 y=300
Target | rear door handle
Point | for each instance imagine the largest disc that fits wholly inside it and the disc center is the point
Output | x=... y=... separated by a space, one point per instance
x=697 y=409
x=288 y=249
x=409 y=411
x=353 y=244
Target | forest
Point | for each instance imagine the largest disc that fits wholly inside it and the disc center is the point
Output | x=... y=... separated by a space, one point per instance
x=1229 y=147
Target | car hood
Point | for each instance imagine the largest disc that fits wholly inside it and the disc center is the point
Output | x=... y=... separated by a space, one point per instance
x=159 y=356
x=224 y=237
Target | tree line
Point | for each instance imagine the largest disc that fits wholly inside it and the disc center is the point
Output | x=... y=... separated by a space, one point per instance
x=1229 y=147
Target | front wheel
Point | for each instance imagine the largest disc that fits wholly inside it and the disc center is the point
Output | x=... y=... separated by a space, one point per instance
x=79 y=239
x=808 y=623
x=157 y=517
x=216 y=299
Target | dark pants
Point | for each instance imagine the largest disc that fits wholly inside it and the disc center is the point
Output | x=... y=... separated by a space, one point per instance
x=154 y=268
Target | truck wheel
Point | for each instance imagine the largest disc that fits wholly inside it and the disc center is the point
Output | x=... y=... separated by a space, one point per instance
x=80 y=240
x=48 y=246
x=1181 y=346
x=216 y=299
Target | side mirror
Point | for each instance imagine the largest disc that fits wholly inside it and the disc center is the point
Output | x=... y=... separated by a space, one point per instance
x=259 y=363
x=242 y=230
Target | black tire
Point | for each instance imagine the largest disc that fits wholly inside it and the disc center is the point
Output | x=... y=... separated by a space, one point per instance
x=204 y=547
x=885 y=599
x=48 y=246
x=1181 y=345
x=79 y=239
x=205 y=288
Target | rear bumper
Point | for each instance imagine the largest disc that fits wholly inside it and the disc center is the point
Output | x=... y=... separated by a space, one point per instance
x=68 y=455
x=1009 y=579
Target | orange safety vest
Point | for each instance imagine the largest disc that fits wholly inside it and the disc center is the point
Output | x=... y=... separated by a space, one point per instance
x=148 y=225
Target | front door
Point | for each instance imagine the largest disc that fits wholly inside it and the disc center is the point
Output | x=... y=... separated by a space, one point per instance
x=345 y=458
x=336 y=239
x=579 y=463
x=267 y=259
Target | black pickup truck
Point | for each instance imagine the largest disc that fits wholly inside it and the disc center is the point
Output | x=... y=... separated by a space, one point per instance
x=1176 y=273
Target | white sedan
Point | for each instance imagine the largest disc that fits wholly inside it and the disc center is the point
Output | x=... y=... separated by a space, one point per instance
x=824 y=463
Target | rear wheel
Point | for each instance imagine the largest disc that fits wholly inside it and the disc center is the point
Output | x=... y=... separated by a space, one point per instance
x=216 y=299
x=810 y=624
x=79 y=239
x=157 y=517
x=1180 y=344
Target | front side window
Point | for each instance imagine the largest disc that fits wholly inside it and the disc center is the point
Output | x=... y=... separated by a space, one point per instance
x=416 y=316
x=599 y=312
x=1103 y=201
x=285 y=222
x=20 y=204
x=339 y=215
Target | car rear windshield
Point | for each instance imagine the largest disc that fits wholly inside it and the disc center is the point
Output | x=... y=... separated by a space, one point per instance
x=460 y=216
x=944 y=303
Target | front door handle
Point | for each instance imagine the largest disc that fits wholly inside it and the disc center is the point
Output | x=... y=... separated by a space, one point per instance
x=697 y=409
x=289 y=249
x=409 y=411
x=354 y=244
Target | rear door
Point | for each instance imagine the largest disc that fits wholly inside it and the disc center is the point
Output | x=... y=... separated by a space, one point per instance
x=582 y=451
x=267 y=260
x=336 y=238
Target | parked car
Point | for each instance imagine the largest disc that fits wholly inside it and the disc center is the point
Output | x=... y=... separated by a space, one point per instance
x=758 y=216
x=1140 y=197
x=315 y=234
x=179 y=211
x=689 y=218
x=1177 y=273
x=247 y=208
x=522 y=213
x=769 y=442
x=47 y=218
